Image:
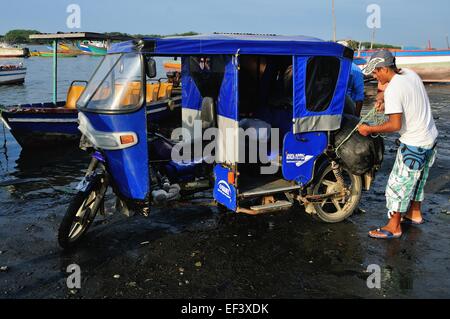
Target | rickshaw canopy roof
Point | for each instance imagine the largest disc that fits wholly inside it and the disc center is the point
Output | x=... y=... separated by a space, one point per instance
x=234 y=43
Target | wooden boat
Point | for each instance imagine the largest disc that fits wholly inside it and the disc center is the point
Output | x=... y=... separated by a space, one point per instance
x=12 y=52
x=67 y=48
x=172 y=65
x=83 y=47
x=12 y=73
x=432 y=65
x=46 y=125
x=95 y=50
x=91 y=48
x=49 y=54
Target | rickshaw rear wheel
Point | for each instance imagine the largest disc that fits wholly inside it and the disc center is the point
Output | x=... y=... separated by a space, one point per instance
x=336 y=208
x=81 y=213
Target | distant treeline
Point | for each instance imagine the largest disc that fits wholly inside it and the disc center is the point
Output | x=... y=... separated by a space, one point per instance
x=20 y=36
x=151 y=35
x=379 y=46
x=355 y=45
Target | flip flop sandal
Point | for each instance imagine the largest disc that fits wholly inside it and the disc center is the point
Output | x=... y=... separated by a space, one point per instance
x=409 y=221
x=385 y=234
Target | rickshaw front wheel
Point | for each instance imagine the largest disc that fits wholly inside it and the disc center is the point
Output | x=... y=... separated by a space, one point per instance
x=336 y=208
x=81 y=213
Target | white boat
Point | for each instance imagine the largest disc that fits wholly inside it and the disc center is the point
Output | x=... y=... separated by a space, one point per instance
x=12 y=73
x=432 y=65
x=8 y=51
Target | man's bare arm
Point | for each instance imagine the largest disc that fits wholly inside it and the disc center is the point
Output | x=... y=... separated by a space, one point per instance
x=394 y=124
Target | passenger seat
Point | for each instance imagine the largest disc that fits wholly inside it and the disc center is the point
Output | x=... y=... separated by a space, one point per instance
x=73 y=95
x=158 y=91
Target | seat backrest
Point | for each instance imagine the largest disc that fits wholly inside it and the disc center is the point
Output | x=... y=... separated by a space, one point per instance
x=73 y=95
x=169 y=89
x=152 y=92
x=130 y=94
x=165 y=90
x=102 y=94
x=207 y=113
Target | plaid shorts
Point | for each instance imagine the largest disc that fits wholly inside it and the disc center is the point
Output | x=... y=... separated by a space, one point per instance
x=406 y=184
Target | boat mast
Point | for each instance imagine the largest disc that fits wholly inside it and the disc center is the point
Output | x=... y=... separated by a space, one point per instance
x=334 y=20
x=373 y=38
x=55 y=70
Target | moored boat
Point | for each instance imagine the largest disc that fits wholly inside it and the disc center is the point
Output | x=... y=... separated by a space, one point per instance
x=7 y=51
x=95 y=50
x=46 y=125
x=12 y=73
x=49 y=54
x=83 y=47
x=92 y=48
x=432 y=65
x=172 y=65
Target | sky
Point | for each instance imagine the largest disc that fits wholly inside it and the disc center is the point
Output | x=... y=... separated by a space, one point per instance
x=402 y=22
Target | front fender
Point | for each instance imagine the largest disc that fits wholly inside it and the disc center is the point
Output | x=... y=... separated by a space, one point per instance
x=90 y=182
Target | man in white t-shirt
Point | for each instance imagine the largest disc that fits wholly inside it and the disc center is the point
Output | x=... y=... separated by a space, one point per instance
x=408 y=107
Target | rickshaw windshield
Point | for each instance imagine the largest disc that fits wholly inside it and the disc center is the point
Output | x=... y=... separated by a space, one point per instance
x=116 y=84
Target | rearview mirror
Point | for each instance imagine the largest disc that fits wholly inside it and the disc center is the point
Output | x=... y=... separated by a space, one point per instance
x=150 y=67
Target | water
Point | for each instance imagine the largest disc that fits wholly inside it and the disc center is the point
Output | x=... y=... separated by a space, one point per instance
x=46 y=170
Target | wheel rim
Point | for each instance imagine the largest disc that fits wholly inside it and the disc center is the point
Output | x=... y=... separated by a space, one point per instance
x=83 y=216
x=338 y=204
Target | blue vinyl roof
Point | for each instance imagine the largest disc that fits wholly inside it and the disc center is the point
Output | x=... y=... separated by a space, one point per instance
x=232 y=43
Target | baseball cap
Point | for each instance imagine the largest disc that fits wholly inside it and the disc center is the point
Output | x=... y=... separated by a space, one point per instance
x=379 y=59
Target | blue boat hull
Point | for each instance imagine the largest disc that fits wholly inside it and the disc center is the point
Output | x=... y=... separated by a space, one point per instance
x=41 y=126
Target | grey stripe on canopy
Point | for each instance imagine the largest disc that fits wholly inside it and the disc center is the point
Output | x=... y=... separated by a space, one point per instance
x=317 y=123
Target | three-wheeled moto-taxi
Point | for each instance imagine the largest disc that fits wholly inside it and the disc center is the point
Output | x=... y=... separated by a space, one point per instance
x=269 y=107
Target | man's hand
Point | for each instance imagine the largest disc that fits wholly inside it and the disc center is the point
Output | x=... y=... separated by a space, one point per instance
x=364 y=129
x=379 y=102
x=394 y=124
x=379 y=106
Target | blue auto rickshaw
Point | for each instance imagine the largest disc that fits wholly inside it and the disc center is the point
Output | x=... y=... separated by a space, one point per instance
x=284 y=94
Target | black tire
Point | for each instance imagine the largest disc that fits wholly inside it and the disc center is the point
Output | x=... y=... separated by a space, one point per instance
x=68 y=236
x=328 y=211
x=222 y=208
